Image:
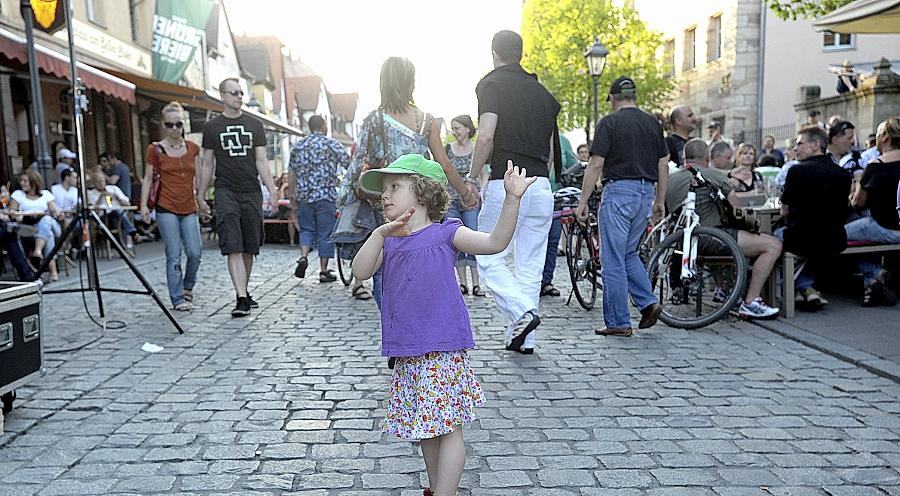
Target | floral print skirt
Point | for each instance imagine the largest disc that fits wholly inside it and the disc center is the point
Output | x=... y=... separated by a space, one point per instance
x=431 y=395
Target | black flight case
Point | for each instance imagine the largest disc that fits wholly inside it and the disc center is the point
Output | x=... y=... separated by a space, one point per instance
x=21 y=352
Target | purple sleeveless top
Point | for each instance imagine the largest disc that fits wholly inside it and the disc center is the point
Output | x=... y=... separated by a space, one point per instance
x=422 y=309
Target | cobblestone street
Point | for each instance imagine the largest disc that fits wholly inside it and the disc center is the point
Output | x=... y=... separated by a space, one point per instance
x=289 y=400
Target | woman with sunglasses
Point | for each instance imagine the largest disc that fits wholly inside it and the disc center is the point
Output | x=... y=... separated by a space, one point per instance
x=177 y=162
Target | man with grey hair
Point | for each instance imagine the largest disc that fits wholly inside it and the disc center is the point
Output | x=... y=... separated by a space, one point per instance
x=683 y=122
x=629 y=153
x=814 y=210
x=721 y=156
x=764 y=247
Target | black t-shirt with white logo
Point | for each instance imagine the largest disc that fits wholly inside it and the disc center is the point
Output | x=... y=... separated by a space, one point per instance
x=234 y=142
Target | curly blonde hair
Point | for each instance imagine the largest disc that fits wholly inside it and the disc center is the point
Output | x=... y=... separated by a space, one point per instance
x=431 y=194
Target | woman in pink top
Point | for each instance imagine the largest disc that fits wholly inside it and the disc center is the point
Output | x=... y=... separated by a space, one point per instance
x=424 y=321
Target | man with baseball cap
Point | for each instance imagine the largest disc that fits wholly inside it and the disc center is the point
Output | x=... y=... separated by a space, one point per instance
x=66 y=160
x=630 y=154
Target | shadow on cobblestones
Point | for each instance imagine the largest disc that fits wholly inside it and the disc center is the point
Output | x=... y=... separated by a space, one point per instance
x=289 y=400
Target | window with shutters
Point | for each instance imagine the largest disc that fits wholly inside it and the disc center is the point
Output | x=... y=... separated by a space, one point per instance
x=690 y=49
x=714 y=38
x=669 y=58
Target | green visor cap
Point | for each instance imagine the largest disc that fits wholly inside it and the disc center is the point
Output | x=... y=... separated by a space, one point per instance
x=371 y=180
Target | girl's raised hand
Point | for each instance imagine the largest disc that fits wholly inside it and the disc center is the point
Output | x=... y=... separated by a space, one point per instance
x=514 y=180
x=397 y=227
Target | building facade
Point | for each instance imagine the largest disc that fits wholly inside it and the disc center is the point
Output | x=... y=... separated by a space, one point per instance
x=735 y=62
x=112 y=40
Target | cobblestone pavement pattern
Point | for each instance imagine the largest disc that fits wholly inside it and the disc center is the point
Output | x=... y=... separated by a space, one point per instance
x=288 y=402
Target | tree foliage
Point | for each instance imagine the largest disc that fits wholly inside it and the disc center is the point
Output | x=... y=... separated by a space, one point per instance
x=804 y=9
x=556 y=34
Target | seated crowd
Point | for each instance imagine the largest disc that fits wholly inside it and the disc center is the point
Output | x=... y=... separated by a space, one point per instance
x=832 y=193
x=36 y=218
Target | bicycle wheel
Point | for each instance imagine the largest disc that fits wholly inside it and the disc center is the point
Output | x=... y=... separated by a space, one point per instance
x=344 y=266
x=714 y=287
x=651 y=239
x=582 y=268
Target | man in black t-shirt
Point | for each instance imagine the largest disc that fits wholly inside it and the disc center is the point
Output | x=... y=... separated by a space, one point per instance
x=630 y=154
x=683 y=122
x=517 y=123
x=814 y=207
x=234 y=146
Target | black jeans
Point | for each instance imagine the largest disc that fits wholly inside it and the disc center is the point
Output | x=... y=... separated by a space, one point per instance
x=10 y=243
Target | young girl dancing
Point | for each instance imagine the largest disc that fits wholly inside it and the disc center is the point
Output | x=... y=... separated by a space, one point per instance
x=424 y=320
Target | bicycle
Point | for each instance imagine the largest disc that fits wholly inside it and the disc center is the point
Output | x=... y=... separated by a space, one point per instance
x=343 y=263
x=699 y=273
x=582 y=245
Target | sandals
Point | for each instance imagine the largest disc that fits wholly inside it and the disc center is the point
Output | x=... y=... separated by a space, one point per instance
x=188 y=295
x=361 y=293
x=549 y=290
x=327 y=276
x=464 y=289
x=183 y=307
x=477 y=291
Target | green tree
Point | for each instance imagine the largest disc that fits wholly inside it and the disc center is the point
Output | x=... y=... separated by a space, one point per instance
x=555 y=34
x=804 y=9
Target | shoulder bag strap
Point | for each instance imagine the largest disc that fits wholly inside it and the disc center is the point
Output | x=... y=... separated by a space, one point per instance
x=427 y=121
x=384 y=142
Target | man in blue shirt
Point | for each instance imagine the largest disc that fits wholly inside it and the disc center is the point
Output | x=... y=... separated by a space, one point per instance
x=315 y=162
x=117 y=172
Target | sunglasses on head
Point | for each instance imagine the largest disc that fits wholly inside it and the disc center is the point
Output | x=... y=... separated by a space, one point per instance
x=840 y=128
x=173 y=125
x=235 y=93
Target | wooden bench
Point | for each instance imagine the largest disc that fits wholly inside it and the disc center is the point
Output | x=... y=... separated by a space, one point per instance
x=790 y=262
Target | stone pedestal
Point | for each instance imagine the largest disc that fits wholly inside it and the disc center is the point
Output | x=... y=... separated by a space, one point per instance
x=877 y=98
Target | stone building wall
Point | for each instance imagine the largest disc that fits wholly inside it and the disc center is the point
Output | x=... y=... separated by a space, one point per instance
x=877 y=99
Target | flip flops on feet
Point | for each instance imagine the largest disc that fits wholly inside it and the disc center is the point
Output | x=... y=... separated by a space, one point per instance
x=183 y=307
x=300 y=270
x=188 y=295
x=477 y=291
x=361 y=293
x=549 y=290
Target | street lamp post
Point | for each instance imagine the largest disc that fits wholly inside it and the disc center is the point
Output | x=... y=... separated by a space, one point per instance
x=596 y=60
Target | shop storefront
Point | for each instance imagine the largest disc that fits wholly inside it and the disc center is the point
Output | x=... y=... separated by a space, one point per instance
x=107 y=125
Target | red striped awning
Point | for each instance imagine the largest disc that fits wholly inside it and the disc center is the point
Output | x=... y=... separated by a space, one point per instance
x=12 y=47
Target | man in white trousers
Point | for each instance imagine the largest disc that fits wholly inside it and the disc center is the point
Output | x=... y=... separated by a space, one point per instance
x=517 y=122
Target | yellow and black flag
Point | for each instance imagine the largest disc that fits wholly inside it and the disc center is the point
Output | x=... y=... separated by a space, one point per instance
x=49 y=15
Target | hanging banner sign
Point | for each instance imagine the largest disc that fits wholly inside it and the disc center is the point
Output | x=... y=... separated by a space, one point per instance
x=178 y=30
x=49 y=15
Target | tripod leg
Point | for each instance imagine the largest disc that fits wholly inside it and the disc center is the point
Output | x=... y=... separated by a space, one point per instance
x=114 y=242
x=45 y=263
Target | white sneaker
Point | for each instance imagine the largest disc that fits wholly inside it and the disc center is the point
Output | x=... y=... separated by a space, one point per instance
x=757 y=309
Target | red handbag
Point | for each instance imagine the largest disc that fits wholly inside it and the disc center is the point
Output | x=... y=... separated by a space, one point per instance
x=154 y=185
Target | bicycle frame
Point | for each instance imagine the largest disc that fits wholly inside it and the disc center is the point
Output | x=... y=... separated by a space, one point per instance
x=690 y=220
